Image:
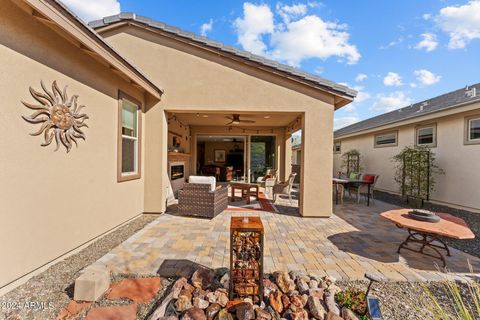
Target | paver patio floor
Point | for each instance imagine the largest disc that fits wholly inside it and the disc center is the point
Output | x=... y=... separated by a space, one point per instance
x=355 y=240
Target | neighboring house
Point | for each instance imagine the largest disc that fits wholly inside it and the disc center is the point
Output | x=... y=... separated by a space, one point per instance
x=55 y=202
x=449 y=124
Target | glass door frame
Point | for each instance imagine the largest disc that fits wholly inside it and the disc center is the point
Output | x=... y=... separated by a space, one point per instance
x=248 y=158
x=246 y=148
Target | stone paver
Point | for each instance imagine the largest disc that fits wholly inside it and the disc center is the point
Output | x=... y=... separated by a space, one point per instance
x=139 y=290
x=355 y=240
x=128 y=312
x=72 y=309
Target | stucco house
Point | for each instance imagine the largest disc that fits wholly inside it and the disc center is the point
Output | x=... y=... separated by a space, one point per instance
x=449 y=124
x=147 y=89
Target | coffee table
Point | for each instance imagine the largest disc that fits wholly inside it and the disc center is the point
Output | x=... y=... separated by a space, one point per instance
x=246 y=189
x=428 y=234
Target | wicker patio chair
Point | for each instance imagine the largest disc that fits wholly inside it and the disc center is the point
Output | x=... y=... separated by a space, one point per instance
x=284 y=188
x=199 y=200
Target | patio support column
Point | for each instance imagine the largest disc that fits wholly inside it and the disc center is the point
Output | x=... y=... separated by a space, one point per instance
x=155 y=173
x=288 y=154
x=316 y=164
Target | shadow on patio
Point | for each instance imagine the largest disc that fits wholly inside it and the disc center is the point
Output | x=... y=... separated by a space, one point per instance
x=378 y=239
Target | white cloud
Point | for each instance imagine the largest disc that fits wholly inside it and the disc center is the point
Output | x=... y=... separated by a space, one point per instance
x=289 y=12
x=390 y=102
x=429 y=42
x=206 y=27
x=393 y=43
x=462 y=23
x=89 y=10
x=426 y=77
x=413 y=85
x=295 y=39
x=361 y=94
x=361 y=77
x=257 y=20
x=427 y=16
x=392 y=79
x=341 y=122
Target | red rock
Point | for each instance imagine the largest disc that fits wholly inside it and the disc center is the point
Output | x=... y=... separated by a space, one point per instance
x=296 y=303
x=203 y=278
x=139 y=290
x=333 y=316
x=194 y=314
x=113 y=313
x=275 y=300
x=316 y=293
x=188 y=287
x=231 y=304
x=178 y=286
x=73 y=308
x=285 y=301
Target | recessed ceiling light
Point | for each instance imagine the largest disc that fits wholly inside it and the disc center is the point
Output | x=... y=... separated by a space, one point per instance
x=266 y=117
x=205 y=116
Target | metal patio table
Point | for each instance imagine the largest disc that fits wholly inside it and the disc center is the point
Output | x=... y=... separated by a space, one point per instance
x=428 y=234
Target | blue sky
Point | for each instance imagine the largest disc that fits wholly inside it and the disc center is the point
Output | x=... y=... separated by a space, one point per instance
x=394 y=52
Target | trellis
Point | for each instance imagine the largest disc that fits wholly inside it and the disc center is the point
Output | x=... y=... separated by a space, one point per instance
x=416 y=175
x=353 y=163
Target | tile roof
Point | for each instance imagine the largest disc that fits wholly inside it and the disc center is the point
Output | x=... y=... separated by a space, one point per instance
x=436 y=104
x=93 y=34
x=319 y=81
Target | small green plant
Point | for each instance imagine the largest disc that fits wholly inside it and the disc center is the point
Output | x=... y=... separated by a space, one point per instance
x=464 y=306
x=415 y=172
x=353 y=299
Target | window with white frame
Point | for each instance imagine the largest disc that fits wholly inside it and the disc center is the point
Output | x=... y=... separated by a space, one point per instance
x=472 y=130
x=129 y=138
x=387 y=139
x=337 y=147
x=426 y=135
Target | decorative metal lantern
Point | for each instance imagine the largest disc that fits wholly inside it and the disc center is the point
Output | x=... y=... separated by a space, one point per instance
x=246 y=258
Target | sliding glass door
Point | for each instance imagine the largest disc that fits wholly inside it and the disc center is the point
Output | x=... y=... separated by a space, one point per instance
x=261 y=155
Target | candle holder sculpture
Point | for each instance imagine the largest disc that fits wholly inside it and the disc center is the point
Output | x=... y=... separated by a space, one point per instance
x=246 y=258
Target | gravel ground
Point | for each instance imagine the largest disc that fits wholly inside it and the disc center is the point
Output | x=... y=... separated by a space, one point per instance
x=472 y=219
x=409 y=300
x=55 y=285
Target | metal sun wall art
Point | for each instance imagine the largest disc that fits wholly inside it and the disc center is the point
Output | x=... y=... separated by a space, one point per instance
x=60 y=117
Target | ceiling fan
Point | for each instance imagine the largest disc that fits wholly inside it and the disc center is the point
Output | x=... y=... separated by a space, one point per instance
x=235 y=119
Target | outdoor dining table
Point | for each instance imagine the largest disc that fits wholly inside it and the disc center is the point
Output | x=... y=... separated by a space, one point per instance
x=346 y=182
x=428 y=234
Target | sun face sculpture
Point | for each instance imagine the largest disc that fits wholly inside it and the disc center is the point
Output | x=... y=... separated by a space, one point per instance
x=60 y=117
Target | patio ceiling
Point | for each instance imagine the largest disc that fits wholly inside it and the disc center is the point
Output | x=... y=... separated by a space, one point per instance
x=264 y=119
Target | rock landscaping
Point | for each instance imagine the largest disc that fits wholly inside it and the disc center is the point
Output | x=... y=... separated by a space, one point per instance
x=287 y=295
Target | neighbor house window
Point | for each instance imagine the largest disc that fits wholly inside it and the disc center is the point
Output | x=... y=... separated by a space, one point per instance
x=426 y=135
x=472 y=130
x=337 y=147
x=387 y=139
x=129 y=138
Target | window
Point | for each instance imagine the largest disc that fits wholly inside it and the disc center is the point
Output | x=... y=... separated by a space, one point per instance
x=472 y=130
x=337 y=147
x=426 y=135
x=129 y=138
x=388 y=139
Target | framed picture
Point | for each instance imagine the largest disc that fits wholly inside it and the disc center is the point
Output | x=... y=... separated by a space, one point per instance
x=219 y=155
x=176 y=141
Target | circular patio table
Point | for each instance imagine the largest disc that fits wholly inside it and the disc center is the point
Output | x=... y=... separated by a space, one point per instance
x=427 y=233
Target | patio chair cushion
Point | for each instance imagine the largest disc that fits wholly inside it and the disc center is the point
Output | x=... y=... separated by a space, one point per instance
x=354 y=175
x=369 y=178
x=203 y=180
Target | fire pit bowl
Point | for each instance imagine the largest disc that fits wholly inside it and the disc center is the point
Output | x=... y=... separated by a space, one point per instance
x=423 y=215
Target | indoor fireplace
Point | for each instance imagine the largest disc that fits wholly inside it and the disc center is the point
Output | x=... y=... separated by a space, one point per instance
x=177 y=171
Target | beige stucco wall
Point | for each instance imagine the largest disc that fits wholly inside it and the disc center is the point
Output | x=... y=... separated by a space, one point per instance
x=458 y=187
x=194 y=79
x=52 y=202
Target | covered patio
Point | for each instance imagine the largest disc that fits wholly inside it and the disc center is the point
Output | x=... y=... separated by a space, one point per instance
x=355 y=240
